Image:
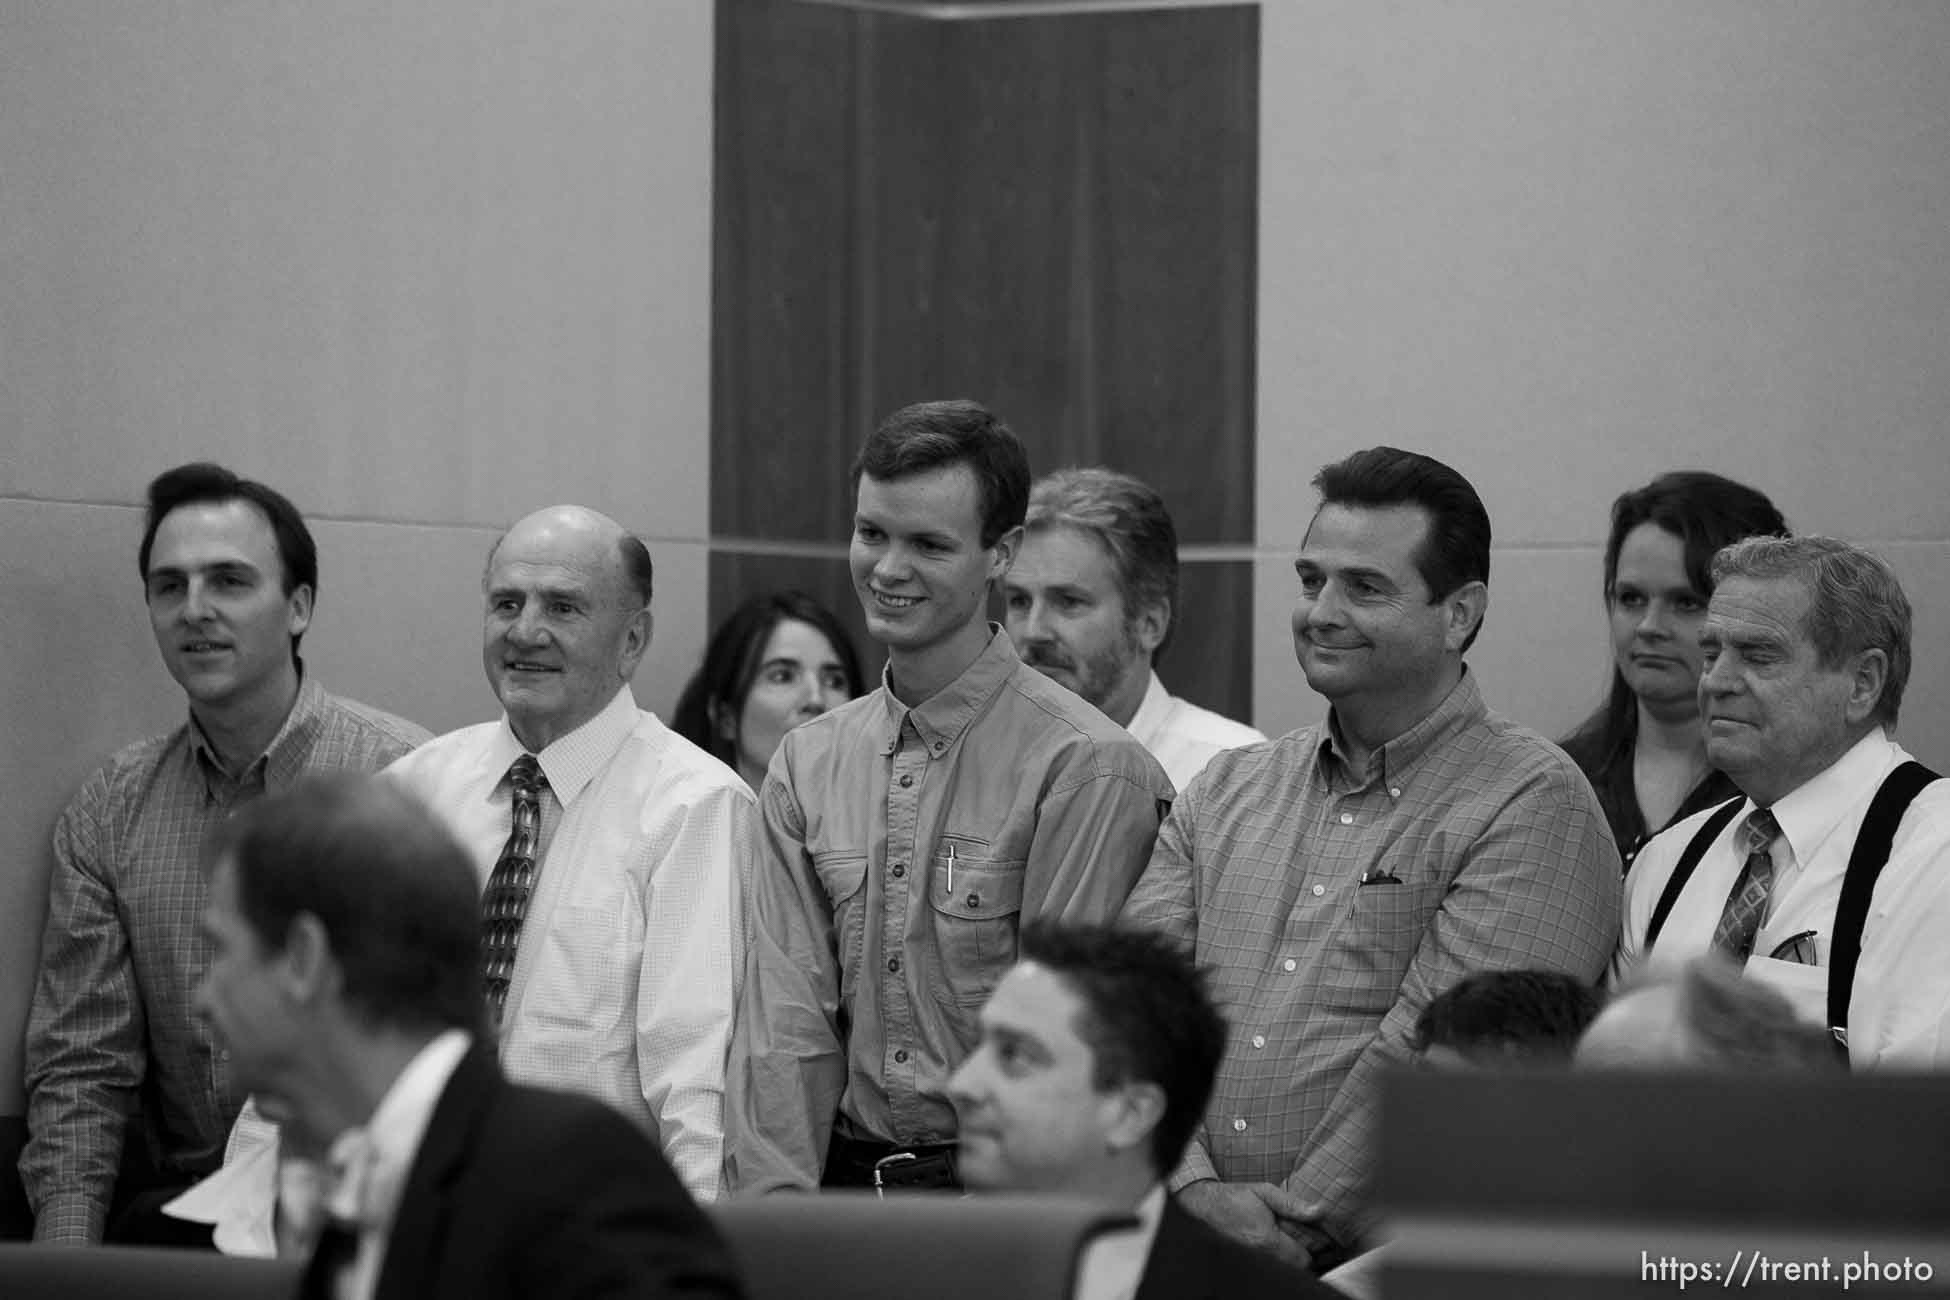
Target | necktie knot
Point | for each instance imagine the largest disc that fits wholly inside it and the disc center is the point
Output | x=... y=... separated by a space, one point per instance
x=525 y=778
x=1761 y=830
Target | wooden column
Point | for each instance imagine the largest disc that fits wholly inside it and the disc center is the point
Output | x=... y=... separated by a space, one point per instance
x=1048 y=208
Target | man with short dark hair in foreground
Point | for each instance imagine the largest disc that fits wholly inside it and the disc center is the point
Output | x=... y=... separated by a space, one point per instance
x=345 y=983
x=1096 y=1058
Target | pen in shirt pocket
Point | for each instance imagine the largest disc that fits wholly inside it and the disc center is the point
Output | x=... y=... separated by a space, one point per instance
x=1799 y=949
x=1379 y=875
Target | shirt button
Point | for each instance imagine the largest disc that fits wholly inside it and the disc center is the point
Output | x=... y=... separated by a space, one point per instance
x=894 y=964
x=1395 y=791
x=900 y=869
x=1290 y=964
x=1319 y=890
x=900 y=1057
x=1239 y=1126
x=1259 y=1040
x=940 y=745
x=1347 y=819
x=974 y=901
x=224 y=1055
x=906 y=781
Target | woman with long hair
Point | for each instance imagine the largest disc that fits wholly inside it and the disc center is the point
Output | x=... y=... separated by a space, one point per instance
x=1644 y=749
x=778 y=660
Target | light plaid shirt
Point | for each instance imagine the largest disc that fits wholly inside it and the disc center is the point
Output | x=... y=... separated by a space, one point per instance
x=121 y=955
x=633 y=948
x=1485 y=849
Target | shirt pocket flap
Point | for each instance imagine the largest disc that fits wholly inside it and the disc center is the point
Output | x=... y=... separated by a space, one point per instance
x=976 y=888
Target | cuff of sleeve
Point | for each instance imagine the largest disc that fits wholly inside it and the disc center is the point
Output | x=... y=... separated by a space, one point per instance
x=1196 y=1167
x=70 y=1220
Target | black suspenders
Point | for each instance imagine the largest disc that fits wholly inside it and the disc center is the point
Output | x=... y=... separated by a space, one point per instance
x=1899 y=789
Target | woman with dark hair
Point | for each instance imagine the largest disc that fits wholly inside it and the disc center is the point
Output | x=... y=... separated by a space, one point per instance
x=778 y=660
x=1644 y=749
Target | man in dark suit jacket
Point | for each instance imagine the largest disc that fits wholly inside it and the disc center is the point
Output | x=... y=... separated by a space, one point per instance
x=345 y=983
x=1096 y=1059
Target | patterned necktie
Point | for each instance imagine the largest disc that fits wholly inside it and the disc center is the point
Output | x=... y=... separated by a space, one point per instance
x=506 y=901
x=1740 y=922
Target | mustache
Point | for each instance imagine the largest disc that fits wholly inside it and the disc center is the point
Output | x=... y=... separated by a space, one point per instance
x=1037 y=658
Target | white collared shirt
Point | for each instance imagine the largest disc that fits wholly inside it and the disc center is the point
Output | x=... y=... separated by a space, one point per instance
x=1182 y=736
x=633 y=949
x=1900 y=1010
x=1113 y=1263
x=393 y=1136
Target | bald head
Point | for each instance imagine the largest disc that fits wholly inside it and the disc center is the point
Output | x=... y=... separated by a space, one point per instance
x=568 y=619
x=1703 y=1014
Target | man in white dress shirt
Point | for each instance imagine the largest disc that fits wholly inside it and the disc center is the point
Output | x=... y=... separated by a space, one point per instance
x=1091 y=602
x=1807 y=645
x=1096 y=1058
x=628 y=961
x=345 y=983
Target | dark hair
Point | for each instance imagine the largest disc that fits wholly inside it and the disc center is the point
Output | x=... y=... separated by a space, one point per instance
x=1129 y=520
x=200 y=482
x=934 y=435
x=1148 y=1016
x=732 y=659
x=1531 y=1015
x=1457 y=548
x=396 y=894
x=1855 y=602
x=1705 y=512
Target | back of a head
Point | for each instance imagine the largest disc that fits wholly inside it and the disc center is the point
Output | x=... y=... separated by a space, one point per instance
x=1128 y=518
x=1149 y=1017
x=1457 y=549
x=936 y=435
x=1509 y=1017
x=392 y=888
x=1855 y=601
x=1703 y=1014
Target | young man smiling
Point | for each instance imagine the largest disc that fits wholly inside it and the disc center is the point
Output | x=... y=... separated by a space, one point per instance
x=229 y=572
x=906 y=834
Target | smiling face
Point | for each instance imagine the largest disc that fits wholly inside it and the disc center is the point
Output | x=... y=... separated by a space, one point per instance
x=564 y=628
x=217 y=603
x=1656 y=614
x=1365 y=629
x=1065 y=611
x=1031 y=1116
x=1774 y=715
x=921 y=571
x=800 y=676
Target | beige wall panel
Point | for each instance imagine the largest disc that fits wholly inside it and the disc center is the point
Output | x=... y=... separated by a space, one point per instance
x=385 y=252
x=1569 y=245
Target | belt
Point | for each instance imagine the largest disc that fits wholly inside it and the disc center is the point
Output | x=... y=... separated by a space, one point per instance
x=884 y=1166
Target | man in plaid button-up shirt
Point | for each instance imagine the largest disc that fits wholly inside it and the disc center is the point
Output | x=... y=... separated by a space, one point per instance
x=1340 y=877
x=229 y=571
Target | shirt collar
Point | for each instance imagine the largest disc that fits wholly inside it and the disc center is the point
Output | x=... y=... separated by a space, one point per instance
x=1810 y=811
x=1397 y=758
x=1113 y=1262
x=571 y=762
x=941 y=718
x=283 y=760
x=1150 y=715
x=400 y=1120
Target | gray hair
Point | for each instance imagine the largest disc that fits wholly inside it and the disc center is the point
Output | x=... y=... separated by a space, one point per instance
x=1128 y=518
x=1854 y=601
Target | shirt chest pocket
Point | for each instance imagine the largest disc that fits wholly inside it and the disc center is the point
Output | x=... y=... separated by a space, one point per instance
x=975 y=906
x=1385 y=925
